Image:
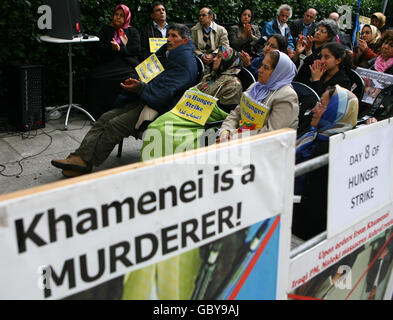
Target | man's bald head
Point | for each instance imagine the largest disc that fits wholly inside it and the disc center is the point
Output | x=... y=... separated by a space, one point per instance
x=334 y=16
x=309 y=16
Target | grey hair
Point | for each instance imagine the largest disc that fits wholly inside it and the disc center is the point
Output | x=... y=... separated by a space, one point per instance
x=182 y=29
x=331 y=27
x=284 y=7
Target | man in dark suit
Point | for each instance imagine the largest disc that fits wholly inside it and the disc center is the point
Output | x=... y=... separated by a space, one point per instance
x=156 y=29
x=305 y=26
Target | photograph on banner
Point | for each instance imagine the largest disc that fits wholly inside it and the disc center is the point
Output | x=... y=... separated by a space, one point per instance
x=149 y=69
x=355 y=265
x=360 y=174
x=156 y=43
x=201 y=230
x=241 y=266
x=374 y=82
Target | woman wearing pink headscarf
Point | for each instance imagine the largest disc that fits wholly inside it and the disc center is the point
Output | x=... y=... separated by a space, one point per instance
x=118 y=52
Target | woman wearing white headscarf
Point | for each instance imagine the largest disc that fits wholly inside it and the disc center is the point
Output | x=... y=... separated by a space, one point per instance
x=366 y=48
x=269 y=104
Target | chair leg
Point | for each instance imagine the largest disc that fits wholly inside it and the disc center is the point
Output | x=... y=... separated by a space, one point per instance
x=120 y=149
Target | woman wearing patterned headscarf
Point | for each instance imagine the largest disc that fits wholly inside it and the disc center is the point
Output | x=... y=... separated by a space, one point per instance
x=269 y=104
x=366 y=49
x=117 y=53
x=336 y=112
x=222 y=82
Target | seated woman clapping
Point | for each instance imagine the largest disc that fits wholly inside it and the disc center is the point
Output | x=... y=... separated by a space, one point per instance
x=336 y=112
x=384 y=62
x=222 y=83
x=275 y=42
x=274 y=103
x=333 y=68
x=244 y=36
x=117 y=53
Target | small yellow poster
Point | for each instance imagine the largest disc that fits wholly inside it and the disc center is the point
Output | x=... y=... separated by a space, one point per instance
x=195 y=106
x=253 y=114
x=364 y=20
x=156 y=43
x=149 y=69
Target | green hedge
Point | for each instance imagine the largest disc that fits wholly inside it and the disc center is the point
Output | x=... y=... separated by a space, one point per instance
x=20 y=33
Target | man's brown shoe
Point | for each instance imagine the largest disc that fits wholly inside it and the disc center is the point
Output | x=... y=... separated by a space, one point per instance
x=72 y=173
x=72 y=162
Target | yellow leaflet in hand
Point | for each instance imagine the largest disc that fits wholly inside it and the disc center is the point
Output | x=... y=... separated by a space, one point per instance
x=149 y=69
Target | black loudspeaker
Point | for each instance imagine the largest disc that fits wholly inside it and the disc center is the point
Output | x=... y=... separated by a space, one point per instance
x=66 y=19
x=26 y=91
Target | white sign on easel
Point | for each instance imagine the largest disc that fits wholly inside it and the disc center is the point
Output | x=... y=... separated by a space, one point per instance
x=360 y=174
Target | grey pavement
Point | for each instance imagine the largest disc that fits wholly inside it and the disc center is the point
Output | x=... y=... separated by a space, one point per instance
x=25 y=157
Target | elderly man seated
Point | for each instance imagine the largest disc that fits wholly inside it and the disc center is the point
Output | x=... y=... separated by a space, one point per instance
x=139 y=101
x=208 y=36
x=158 y=28
x=280 y=26
x=305 y=26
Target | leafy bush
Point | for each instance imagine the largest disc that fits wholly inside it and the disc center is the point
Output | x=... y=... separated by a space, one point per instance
x=20 y=33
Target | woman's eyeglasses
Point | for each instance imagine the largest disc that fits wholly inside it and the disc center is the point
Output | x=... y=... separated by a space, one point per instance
x=321 y=30
x=268 y=44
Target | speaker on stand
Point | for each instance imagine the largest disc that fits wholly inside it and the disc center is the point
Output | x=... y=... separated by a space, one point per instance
x=26 y=96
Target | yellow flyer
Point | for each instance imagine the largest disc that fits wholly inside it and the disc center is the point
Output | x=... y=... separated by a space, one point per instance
x=156 y=43
x=149 y=69
x=195 y=106
x=253 y=114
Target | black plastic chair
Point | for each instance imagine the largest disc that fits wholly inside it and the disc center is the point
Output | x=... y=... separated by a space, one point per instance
x=357 y=84
x=246 y=78
x=307 y=100
x=201 y=69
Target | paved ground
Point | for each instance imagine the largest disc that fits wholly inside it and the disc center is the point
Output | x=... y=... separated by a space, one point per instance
x=25 y=158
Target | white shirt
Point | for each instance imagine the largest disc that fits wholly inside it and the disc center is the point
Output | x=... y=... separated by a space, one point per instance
x=162 y=30
x=282 y=28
